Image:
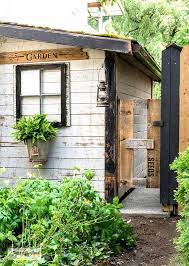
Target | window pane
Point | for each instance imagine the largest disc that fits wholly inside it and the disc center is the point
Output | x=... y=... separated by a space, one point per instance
x=30 y=82
x=51 y=81
x=51 y=106
x=30 y=106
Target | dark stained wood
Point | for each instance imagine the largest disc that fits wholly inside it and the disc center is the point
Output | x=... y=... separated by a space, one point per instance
x=124 y=46
x=64 y=91
x=64 y=37
x=111 y=188
x=170 y=118
x=63 y=95
x=18 y=92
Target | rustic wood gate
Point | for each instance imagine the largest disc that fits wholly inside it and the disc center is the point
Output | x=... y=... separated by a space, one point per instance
x=144 y=115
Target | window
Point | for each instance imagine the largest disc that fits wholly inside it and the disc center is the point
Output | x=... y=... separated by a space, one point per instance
x=43 y=89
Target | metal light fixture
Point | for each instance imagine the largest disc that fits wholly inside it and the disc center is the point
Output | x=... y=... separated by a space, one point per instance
x=102 y=94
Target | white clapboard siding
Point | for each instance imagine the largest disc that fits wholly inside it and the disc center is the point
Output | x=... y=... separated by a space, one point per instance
x=6 y=79
x=86 y=109
x=85 y=86
x=95 y=54
x=90 y=75
x=6 y=99
x=75 y=142
x=84 y=97
x=6 y=69
x=55 y=152
x=73 y=131
x=76 y=120
x=58 y=163
x=82 y=131
x=47 y=173
x=7 y=89
x=87 y=64
x=60 y=142
x=91 y=119
x=7 y=110
x=83 y=143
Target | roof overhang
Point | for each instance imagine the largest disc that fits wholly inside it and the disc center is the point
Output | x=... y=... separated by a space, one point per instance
x=122 y=46
x=64 y=37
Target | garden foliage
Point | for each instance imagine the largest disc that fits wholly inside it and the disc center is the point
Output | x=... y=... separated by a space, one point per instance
x=181 y=167
x=36 y=127
x=67 y=222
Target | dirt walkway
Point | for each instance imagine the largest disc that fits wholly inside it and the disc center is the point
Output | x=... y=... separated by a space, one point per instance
x=154 y=246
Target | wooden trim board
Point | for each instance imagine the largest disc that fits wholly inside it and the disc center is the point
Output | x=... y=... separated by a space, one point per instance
x=184 y=100
x=111 y=187
x=34 y=56
x=139 y=144
x=126 y=120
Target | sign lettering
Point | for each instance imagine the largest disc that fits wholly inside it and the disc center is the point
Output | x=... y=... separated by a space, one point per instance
x=65 y=54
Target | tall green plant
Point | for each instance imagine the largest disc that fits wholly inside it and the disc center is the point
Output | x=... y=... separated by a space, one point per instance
x=68 y=222
x=36 y=127
x=181 y=167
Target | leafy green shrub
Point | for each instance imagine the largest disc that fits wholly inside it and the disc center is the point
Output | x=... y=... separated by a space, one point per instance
x=68 y=222
x=36 y=127
x=181 y=167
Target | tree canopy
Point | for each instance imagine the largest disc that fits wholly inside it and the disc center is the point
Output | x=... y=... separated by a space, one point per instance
x=155 y=23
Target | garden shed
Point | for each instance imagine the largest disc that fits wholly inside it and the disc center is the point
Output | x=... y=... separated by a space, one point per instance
x=79 y=80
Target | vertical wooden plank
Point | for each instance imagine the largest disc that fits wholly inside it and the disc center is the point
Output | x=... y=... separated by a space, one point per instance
x=153 y=132
x=18 y=92
x=126 y=117
x=184 y=99
x=170 y=118
x=174 y=118
x=111 y=187
x=165 y=112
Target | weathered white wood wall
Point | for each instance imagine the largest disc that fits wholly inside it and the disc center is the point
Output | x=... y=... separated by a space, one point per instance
x=132 y=84
x=82 y=144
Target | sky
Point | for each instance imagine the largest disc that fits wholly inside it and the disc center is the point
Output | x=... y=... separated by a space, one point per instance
x=62 y=14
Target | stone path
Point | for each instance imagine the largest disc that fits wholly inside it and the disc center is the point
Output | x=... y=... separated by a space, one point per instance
x=143 y=202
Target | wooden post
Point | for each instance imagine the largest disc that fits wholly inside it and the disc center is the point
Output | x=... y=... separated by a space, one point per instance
x=170 y=117
x=184 y=100
x=153 y=132
x=126 y=155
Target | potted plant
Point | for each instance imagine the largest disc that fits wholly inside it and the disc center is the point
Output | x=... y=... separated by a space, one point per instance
x=36 y=131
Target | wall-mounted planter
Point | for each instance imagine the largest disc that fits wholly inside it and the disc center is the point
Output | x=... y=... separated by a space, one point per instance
x=38 y=151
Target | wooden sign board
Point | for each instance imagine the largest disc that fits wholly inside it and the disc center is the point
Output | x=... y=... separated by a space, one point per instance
x=139 y=144
x=34 y=56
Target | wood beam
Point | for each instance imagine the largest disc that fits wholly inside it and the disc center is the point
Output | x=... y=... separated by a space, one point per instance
x=139 y=144
x=33 y=56
x=79 y=39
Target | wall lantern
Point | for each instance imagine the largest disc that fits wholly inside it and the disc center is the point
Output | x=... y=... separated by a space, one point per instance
x=102 y=94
